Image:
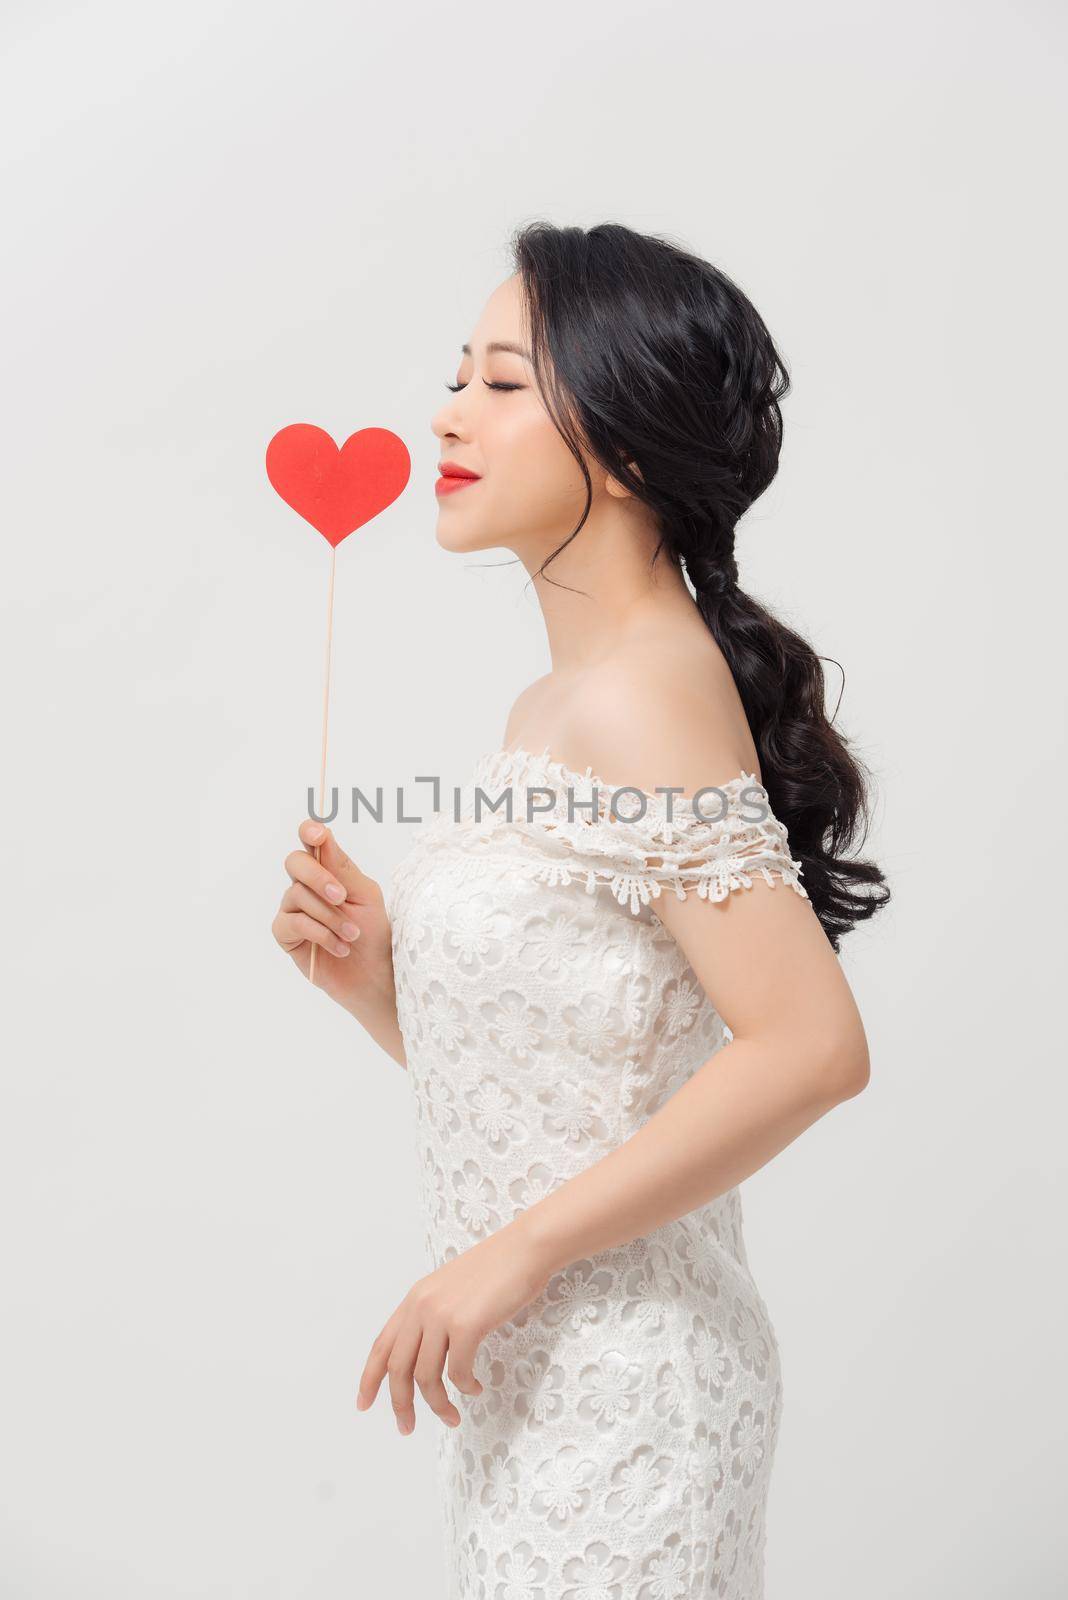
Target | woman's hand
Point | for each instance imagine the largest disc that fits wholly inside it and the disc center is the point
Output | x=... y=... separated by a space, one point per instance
x=449 y=1313
x=332 y=904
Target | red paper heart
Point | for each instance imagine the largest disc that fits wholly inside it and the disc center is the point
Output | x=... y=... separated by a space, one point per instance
x=337 y=491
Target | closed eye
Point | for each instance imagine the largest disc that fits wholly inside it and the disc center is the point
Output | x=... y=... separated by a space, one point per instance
x=455 y=387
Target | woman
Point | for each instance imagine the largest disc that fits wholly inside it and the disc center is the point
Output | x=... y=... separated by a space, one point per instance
x=560 y=982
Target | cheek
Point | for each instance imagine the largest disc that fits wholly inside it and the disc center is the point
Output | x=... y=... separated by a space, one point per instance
x=528 y=457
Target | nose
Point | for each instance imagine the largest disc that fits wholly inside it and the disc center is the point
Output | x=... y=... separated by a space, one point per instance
x=453 y=419
x=447 y=420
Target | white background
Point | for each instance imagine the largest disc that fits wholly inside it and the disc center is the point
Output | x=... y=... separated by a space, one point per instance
x=224 y=218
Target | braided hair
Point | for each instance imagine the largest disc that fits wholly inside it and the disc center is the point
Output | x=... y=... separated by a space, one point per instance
x=654 y=362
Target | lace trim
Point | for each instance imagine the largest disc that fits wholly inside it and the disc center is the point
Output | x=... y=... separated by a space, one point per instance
x=638 y=857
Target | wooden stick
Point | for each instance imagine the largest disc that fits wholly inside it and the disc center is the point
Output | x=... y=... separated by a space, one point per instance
x=326 y=713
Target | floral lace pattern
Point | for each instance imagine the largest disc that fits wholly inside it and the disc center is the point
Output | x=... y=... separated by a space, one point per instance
x=623 y=1441
x=579 y=828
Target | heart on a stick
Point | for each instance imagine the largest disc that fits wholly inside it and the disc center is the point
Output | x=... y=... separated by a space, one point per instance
x=337 y=491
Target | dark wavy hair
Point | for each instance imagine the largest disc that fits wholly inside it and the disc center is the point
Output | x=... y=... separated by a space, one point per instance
x=650 y=358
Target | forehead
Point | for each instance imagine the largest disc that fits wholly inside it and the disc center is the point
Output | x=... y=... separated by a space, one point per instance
x=502 y=319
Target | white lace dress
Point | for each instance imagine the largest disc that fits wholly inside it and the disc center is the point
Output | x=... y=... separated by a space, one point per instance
x=622 y=1445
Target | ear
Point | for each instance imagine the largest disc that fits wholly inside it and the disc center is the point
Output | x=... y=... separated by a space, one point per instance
x=617 y=489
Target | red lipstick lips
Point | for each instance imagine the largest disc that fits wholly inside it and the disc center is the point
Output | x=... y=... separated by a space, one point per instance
x=453 y=477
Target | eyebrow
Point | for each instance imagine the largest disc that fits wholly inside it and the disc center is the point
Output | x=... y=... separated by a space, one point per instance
x=503 y=345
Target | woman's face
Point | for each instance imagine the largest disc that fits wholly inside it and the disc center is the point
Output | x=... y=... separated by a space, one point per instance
x=530 y=493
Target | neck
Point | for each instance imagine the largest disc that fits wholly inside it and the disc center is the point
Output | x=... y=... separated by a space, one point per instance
x=611 y=587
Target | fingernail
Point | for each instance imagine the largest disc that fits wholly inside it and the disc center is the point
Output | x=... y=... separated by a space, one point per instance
x=340 y=949
x=314 y=833
x=349 y=929
x=335 y=892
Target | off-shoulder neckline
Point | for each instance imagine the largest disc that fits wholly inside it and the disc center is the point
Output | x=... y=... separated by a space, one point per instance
x=565 y=774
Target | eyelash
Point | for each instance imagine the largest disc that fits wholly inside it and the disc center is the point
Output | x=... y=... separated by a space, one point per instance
x=454 y=388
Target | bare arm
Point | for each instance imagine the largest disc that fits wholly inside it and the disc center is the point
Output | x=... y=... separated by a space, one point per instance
x=764 y=961
x=378 y=1016
x=798 y=1050
x=337 y=907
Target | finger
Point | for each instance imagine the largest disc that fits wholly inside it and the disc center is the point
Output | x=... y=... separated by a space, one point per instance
x=375 y=1368
x=428 y=1369
x=463 y=1348
x=400 y=1368
x=298 y=897
x=303 y=868
x=359 y=887
x=312 y=833
x=294 y=928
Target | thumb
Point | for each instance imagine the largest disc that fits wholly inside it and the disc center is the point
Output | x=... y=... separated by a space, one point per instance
x=359 y=887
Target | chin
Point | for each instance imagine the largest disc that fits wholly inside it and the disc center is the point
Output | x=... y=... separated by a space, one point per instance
x=459 y=539
x=451 y=539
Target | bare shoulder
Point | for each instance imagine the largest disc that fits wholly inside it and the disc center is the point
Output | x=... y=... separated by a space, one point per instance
x=528 y=709
x=664 y=716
